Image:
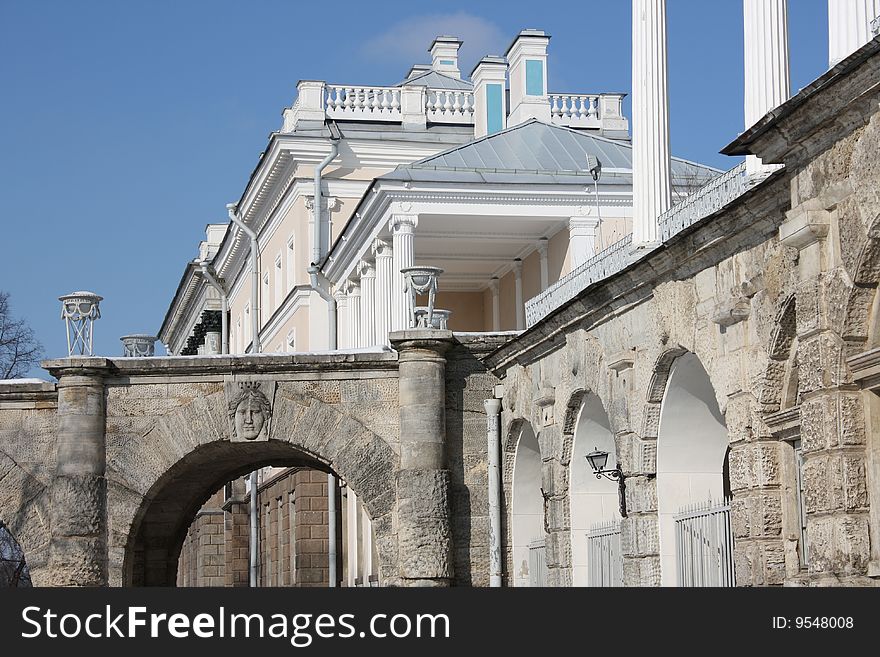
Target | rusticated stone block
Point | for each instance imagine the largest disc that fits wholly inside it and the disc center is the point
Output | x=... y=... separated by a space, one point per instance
x=78 y=561
x=820 y=363
x=425 y=540
x=838 y=544
x=740 y=517
x=641 y=495
x=78 y=505
x=854 y=487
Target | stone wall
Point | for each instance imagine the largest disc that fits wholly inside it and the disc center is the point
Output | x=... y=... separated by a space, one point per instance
x=772 y=294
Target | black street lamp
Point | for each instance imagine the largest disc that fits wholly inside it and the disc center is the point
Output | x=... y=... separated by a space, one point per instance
x=598 y=460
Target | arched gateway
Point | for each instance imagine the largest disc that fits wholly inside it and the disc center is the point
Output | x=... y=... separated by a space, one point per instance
x=141 y=443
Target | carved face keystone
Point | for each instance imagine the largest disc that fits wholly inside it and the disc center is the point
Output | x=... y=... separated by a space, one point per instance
x=249 y=419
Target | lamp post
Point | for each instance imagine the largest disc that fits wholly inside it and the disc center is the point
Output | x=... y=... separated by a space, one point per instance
x=594 y=166
x=598 y=460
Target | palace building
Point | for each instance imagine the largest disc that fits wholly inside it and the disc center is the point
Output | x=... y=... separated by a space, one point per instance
x=465 y=330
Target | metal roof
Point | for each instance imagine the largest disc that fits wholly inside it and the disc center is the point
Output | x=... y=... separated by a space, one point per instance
x=436 y=80
x=541 y=148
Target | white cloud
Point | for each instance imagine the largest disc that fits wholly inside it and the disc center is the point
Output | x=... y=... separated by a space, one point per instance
x=407 y=40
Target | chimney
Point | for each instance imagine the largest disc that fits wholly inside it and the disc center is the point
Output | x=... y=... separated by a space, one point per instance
x=444 y=55
x=490 y=111
x=527 y=56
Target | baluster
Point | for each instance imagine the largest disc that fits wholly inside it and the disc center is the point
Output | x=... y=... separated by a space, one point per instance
x=446 y=104
x=395 y=101
x=375 y=104
x=456 y=103
x=363 y=102
x=337 y=97
x=385 y=105
x=594 y=106
x=348 y=103
x=578 y=108
x=466 y=107
x=437 y=102
x=554 y=107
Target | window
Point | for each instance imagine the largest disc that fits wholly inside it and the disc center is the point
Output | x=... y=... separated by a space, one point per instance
x=291 y=261
x=267 y=554
x=279 y=293
x=801 y=507
x=267 y=301
x=247 y=328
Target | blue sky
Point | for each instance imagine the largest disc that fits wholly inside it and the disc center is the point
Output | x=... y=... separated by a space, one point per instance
x=126 y=127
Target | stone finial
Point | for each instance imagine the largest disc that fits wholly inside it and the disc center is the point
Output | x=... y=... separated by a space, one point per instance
x=79 y=310
x=138 y=345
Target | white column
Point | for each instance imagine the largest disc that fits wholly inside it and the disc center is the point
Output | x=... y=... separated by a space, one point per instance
x=541 y=246
x=403 y=249
x=368 y=304
x=849 y=27
x=495 y=286
x=354 y=314
x=384 y=277
x=581 y=239
x=650 y=110
x=341 y=318
x=351 y=515
x=766 y=65
x=520 y=304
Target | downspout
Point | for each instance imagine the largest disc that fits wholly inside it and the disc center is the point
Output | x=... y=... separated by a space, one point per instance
x=253 y=544
x=331 y=344
x=224 y=301
x=493 y=434
x=331 y=535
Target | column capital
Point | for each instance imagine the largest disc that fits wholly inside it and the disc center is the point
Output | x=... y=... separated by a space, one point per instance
x=421 y=344
x=78 y=370
x=492 y=406
x=494 y=284
x=354 y=287
x=367 y=269
x=403 y=223
x=381 y=249
x=518 y=267
x=542 y=245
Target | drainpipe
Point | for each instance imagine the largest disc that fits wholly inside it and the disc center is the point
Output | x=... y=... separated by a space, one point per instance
x=331 y=342
x=314 y=272
x=254 y=543
x=316 y=237
x=224 y=301
x=331 y=535
x=493 y=433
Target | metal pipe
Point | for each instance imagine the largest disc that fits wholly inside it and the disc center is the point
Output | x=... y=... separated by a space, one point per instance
x=331 y=306
x=255 y=277
x=254 y=542
x=493 y=433
x=331 y=534
x=316 y=236
x=224 y=301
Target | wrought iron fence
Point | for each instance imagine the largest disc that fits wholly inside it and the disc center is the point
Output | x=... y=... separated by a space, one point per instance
x=704 y=545
x=604 y=557
x=708 y=199
x=537 y=563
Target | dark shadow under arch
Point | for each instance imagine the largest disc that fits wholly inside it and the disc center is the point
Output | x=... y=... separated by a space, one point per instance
x=169 y=507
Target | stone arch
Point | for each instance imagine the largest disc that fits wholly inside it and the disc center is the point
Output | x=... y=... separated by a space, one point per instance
x=590 y=500
x=692 y=450
x=527 y=509
x=782 y=339
x=187 y=455
x=24 y=500
x=656 y=389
